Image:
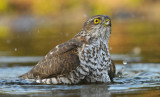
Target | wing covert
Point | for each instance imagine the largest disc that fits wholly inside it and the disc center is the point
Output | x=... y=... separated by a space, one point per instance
x=59 y=61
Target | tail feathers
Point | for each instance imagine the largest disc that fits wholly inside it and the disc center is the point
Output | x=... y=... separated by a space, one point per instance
x=27 y=76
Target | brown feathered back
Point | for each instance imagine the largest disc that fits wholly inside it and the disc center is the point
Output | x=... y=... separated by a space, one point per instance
x=59 y=61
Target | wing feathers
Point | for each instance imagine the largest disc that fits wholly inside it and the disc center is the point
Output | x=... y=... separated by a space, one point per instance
x=60 y=60
x=64 y=47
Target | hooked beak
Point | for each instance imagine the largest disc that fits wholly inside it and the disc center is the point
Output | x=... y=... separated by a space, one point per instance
x=107 y=22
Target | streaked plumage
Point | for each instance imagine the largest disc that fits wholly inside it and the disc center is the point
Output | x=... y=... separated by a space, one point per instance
x=84 y=58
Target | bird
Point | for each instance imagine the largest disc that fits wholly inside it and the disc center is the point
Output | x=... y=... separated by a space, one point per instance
x=85 y=58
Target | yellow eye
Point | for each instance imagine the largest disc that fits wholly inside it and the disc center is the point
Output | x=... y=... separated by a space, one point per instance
x=97 y=21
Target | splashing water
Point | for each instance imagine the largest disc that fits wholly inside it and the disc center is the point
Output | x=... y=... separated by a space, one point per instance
x=134 y=78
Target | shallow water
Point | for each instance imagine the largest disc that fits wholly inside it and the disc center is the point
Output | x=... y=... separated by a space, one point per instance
x=136 y=79
x=25 y=33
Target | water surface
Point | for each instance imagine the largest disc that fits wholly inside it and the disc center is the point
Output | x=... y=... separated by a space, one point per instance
x=133 y=79
x=29 y=29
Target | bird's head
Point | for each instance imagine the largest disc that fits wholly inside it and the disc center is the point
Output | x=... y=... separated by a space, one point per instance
x=98 y=26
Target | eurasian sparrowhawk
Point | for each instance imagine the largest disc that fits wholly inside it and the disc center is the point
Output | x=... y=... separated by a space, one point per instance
x=84 y=58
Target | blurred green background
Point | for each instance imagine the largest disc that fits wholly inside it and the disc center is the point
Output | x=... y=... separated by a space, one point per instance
x=34 y=27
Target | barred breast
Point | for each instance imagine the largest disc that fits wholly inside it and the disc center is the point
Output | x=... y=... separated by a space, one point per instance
x=97 y=58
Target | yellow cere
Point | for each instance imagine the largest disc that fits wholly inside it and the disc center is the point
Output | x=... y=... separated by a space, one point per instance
x=97 y=21
x=107 y=20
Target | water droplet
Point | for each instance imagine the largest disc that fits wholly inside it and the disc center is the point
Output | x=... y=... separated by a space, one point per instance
x=8 y=41
x=124 y=62
x=110 y=48
x=15 y=49
x=85 y=15
x=67 y=34
x=137 y=50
